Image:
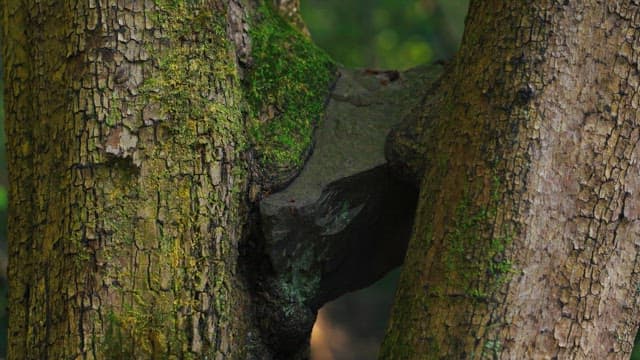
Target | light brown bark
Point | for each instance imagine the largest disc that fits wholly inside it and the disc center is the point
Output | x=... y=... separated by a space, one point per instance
x=526 y=236
x=290 y=10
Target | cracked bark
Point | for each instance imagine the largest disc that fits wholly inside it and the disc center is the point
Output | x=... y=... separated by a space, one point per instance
x=126 y=214
x=525 y=244
x=129 y=192
x=130 y=185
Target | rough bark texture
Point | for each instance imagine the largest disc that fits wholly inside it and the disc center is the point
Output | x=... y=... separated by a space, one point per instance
x=127 y=183
x=142 y=135
x=526 y=236
x=129 y=127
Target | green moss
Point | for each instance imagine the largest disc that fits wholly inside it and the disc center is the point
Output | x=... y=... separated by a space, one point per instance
x=114 y=116
x=196 y=86
x=137 y=332
x=286 y=88
x=114 y=340
x=189 y=72
x=475 y=257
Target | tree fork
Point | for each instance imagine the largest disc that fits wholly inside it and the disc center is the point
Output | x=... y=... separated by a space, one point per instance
x=133 y=190
x=345 y=220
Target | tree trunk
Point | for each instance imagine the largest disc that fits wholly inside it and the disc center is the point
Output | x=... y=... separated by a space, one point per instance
x=128 y=154
x=141 y=134
x=525 y=243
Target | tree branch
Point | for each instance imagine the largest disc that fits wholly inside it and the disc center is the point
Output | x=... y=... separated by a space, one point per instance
x=345 y=221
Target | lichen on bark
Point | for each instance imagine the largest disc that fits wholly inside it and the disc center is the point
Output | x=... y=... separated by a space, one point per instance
x=190 y=104
x=135 y=152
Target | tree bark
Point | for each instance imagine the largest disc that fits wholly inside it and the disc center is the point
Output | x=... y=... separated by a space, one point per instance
x=129 y=177
x=525 y=243
x=141 y=135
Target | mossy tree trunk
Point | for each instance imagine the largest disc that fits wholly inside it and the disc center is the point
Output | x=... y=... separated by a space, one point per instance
x=130 y=168
x=141 y=132
x=526 y=236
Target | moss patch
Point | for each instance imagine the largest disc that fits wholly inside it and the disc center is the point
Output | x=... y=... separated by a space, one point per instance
x=199 y=58
x=286 y=87
x=475 y=256
x=193 y=94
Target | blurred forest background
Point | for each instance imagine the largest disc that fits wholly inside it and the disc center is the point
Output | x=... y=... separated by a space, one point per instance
x=380 y=34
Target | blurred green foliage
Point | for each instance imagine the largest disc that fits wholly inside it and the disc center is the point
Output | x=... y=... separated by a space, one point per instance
x=635 y=355
x=3 y=198
x=395 y=34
